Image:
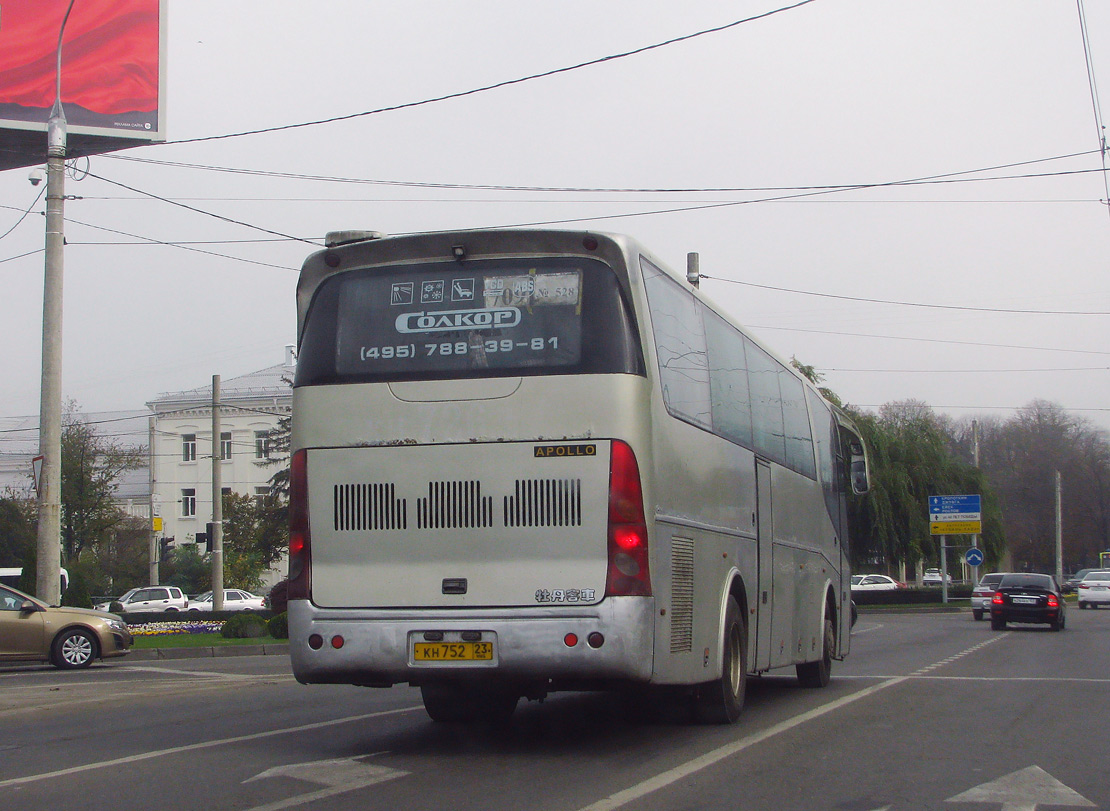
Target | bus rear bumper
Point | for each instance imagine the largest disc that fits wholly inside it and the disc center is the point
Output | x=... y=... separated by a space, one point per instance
x=377 y=647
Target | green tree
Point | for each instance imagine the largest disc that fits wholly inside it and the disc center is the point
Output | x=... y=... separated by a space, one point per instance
x=186 y=568
x=17 y=530
x=92 y=467
x=1021 y=457
x=911 y=458
x=120 y=560
x=243 y=560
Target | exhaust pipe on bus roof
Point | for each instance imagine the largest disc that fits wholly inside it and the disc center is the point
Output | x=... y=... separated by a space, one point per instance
x=333 y=239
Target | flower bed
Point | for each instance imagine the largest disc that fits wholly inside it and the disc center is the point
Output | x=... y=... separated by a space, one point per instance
x=176 y=628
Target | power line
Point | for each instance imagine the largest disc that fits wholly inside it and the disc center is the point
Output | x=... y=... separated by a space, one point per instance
x=903 y=303
x=38 y=197
x=969 y=371
x=202 y=211
x=931 y=340
x=614 y=189
x=183 y=246
x=1100 y=126
x=22 y=255
x=497 y=85
x=780 y=198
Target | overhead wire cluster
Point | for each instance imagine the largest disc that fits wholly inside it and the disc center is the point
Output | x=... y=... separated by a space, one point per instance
x=763 y=194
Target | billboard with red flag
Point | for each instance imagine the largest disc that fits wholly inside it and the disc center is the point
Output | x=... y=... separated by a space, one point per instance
x=112 y=77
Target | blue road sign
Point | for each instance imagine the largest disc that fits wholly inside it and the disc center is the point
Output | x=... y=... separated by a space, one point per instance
x=954 y=504
x=974 y=556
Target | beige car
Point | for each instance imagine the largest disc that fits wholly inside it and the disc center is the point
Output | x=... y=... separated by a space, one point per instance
x=31 y=630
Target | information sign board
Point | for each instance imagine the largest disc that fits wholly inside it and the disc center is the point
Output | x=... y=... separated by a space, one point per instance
x=955 y=515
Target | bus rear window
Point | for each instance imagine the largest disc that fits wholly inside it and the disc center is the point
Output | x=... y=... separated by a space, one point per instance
x=478 y=319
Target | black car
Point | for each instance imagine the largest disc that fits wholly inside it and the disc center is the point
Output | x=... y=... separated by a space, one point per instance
x=1027 y=598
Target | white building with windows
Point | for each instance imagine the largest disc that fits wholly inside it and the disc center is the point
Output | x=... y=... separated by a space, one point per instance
x=182 y=446
x=19 y=445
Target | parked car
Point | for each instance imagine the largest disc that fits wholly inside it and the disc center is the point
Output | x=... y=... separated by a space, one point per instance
x=1032 y=598
x=932 y=577
x=981 y=595
x=1094 y=589
x=875 y=582
x=68 y=638
x=234 y=600
x=149 y=598
x=1072 y=583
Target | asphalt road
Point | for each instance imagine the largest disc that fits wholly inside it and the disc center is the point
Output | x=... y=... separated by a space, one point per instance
x=930 y=711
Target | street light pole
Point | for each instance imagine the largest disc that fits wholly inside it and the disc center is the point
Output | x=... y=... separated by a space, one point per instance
x=48 y=571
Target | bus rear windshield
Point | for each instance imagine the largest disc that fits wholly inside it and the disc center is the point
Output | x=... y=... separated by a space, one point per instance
x=493 y=318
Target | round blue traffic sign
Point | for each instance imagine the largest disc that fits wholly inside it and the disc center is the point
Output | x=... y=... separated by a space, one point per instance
x=974 y=556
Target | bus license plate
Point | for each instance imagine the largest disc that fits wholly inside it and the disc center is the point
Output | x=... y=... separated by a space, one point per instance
x=453 y=651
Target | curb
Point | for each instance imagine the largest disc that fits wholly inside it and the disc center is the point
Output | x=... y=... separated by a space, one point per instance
x=221 y=652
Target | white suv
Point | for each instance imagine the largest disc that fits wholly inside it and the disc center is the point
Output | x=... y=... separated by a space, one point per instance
x=150 y=598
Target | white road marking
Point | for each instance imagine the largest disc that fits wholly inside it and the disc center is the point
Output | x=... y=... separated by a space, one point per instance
x=1024 y=790
x=157 y=753
x=717 y=755
x=179 y=672
x=929 y=668
x=338 y=776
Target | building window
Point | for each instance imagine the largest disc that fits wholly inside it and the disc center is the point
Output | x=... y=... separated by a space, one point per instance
x=188 y=502
x=188 y=447
x=261 y=444
x=225 y=445
x=260 y=496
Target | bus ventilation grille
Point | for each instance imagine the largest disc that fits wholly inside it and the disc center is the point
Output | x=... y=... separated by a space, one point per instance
x=454 y=505
x=682 y=595
x=545 y=503
x=368 y=507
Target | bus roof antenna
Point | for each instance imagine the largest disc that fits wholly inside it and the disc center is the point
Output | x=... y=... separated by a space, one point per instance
x=693 y=269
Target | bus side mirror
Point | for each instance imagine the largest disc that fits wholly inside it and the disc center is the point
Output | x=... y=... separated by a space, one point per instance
x=858 y=470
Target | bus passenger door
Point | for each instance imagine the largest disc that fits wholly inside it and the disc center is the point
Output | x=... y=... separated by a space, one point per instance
x=765 y=597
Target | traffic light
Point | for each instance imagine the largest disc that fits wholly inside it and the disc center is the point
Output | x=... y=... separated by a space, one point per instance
x=203 y=542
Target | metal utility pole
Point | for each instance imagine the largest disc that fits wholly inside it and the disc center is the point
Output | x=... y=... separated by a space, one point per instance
x=153 y=543
x=975 y=463
x=217 y=536
x=48 y=571
x=1059 y=532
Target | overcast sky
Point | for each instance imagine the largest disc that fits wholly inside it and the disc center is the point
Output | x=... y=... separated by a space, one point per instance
x=832 y=93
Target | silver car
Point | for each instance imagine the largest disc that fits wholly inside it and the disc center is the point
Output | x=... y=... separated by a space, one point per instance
x=981 y=595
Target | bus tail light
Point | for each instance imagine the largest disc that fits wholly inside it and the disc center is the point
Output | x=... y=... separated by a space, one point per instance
x=628 y=573
x=299 y=550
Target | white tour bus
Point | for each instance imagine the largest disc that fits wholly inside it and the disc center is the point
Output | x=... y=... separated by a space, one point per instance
x=529 y=461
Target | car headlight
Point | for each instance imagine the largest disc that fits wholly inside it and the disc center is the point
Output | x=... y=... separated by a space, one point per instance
x=117 y=625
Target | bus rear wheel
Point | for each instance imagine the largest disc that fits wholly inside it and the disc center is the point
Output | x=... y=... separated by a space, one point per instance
x=722 y=700
x=817 y=674
x=468 y=703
